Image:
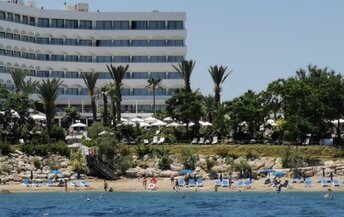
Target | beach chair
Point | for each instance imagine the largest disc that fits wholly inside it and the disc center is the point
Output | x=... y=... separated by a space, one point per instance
x=155 y=140
x=84 y=183
x=192 y=183
x=247 y=184
x=50 y=183
x=199 y=182
x=26 y=183
x=336 y=183
x=308 y=183
x=240 y=184
x=295 y=180
x=194 y=141
x=201 y=140
x=215 y=140
x=146 y=141
x=324 y=182
x=181 y=183
x=207 y=141
x=225 y=183
x=218 y=183
x=161 y=141
x=74 y=184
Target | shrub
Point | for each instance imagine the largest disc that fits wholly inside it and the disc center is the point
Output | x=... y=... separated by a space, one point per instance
x=95 y=129
x=123 y=150
x=251 y=155
x=165 y=163
x=78 y=161
x=188 y=159
x=5 y=148
x=291 y=158
x=232 y=155
x=142 y=150
x=54 y=165
x=161 y=151
x=58 y=133
x=243 y=168
x=37 y=163
x=46 y=149
x=221 y=151
x=123 y=163
x=210 y=163
x=5 y=168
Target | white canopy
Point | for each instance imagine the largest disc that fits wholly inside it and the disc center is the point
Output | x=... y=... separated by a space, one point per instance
x=205 y=124
x=138 y=120
x=143 y=124
x=38 y=117
x=78 y=125
x=151 y=120
x=168 y=119
x=336 y=121
x=158 y=123
x=173 y=124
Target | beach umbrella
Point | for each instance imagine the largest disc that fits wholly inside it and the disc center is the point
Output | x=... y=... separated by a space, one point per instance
x=38 y=117
x=266 y=171
x=205 y=124
x=144 y=124
x=167 y=119
x=151 y=120
x=137 y=120
x=158 y=124
x=184 y=172
x=173 y=124
x=78 y=125
x=55 y=172
x=278 y=174
x=335 y=122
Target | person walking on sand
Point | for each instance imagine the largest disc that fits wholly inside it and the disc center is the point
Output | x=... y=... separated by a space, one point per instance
x=66 y=185
x=172 y=180
x=144 y=182
x=105 y=185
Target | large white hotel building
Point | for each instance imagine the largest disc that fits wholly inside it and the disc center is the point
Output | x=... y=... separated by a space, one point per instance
x=66 y=43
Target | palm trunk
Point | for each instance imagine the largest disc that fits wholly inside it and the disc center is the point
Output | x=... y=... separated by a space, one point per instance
x=113 y=111
x=154 y=110
x=217 y=97
x=118 y=110
x=94 y=108
x=105 y=110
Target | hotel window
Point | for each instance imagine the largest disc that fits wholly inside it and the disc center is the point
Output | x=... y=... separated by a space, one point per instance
x=60 y=91
x=157 y=43
x=16 y=36
x=139 y=43
x=140 y=92
x=175 y=25
x=121 y=59
x=144 y=108
x=9 y=35
x=72 y=91
x=140 y=75
x=175 y=59
x=24 y=38
x=120 y=25
x=156 y=24
x=121 y=43
x=40 y=40
x=2 y=15
x=57 y=74
x=16 y=54
x=157 y=59
x=9 y=53
x=57 y=41
x=175 y=43
x=17 y=18
x=25 y=20
x=32 y=56
x=103 y=59
x=71 y=24
x=104 y=75
x=103 y=43
x=43 y=22
x=43 y=74
x=72 y=42
x=125 y=92
x=32 y=73
x=85 y=24
x=85 y=59
x=43 y=57
x=174 y=75
x=57 y=58
x=71 y=74
x=160 y=92
x=57 y=23
x=172 y=91
x=2 y=34
x=139 y=25
x=25 y=55
x=71 y=58
x=139 y=59
x=127 y=75
x=161 y=75
x=85 y=42
x=83 y=91
x=2 y=52
x=9 y=17
x=103 y=24
x=32 y=21
x=32 y=39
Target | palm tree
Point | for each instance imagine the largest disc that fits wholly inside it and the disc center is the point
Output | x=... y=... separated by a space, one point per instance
x=90 y=80
x=117 y=74
x=30 y=86
x=18 y=77
x=219 y=75
x=103 y=93
x=154 y=83
x=185 y=69
x=48 y=91
x=209 y=107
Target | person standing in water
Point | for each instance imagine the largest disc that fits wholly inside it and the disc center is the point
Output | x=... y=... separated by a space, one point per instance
x=66 y=185
x=105 y=185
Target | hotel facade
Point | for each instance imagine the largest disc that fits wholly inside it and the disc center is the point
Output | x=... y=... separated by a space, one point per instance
x=64 y=44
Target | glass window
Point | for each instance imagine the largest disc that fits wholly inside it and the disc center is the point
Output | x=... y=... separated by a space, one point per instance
x=16 y=36
x=103 y=59
x=9 y=35
x=160 y=92
x=32 y=56
x=120 y=25
x=139 y=59
x=25 y=20
x=2 y=15
x=157 y=43
x=172 y=91
x=9 y=17
x=71 y=58
x=175 y=25
x=144 y=108
x=72 y=91
x=43 y=57
x=61 y=91
x=2 y=34
x=127 y=75
x=156 y=24
x=140 y=75
x=72 y=42
x=57 y=74
x=2 y=52
x=16 y=54
x=85 y=24
x=40 y=40
x=85 y=59
x=139 y=43
x=71 y=74
x=161 y=75
x=104 y=75
x=121 y=43
x=140 y=92
x=157 y=59
x=175 y=59
x=9 y=53
x=85 y=42
x=175 y=43
x=57 y=57
x=71 y=24
x=103 y=43
x=121 y=59
x=174 y=75
x=43 y=74
x=57 y=41
x=24 y=38
x=125 y=92
x=32 y=39
x=57 y=23
x=43 y=22
x=139 y=25
x=83 y=91
x=103 y=24
x=25 y=55
x=32 y=21
x=17 y=18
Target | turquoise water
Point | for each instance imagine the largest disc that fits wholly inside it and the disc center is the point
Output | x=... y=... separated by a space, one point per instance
x=172 y=204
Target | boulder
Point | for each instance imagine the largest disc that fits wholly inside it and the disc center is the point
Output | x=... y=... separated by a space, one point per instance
x=176 y=167
x=329 y=164
x=149 y=172
x=133 y=172
x=46 y=169
x=63 y=164
x=257 y=164
x=168 y=173
x=220 y=169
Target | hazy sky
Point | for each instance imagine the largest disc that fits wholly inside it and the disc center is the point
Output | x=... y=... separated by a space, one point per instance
x=260 y=40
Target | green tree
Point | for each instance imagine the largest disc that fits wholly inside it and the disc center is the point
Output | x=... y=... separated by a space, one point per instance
x=117 y=74
x=18 y=77
x=104 y=91
x=48 y=93
x=219 y=75
x=70 y=115
x=209 y=107
x=154 y=83
x=90 y=80
x=185 y=69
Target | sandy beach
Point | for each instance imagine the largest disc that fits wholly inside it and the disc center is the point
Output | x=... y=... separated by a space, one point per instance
x=164 y=185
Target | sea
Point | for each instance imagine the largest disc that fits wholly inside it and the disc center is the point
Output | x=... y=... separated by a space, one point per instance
x=288 y=204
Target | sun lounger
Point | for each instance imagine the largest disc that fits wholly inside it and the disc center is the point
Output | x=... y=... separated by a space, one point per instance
x=308 y=183
x=218 y=183
x=215 y=140
x=74 y=184
x=324 y=182
x=26 y=183
x=199 y=183
x=247 y=184
x=146 y=141
x=84 y=183
x=161 y=141
x=295 y=180
x=50 y=183
x=201 y=140
x=192 y=183
x=155 y=140
x=240 y=184
x=225 y=183
x=336 y=183
x=194 y=141
x=181 y=183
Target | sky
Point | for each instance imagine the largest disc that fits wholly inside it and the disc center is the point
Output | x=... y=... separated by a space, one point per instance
x=259 y=40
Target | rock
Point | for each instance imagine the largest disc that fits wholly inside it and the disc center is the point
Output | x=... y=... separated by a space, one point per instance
x=152 y=172
x=329 y=164
x=133 y=172
x=52 y=176
x=63 y=164
x=168 y=173
x=220 y=169
x=257 y=164
x=176 y=167
x=38 y=180
x=46 y=169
